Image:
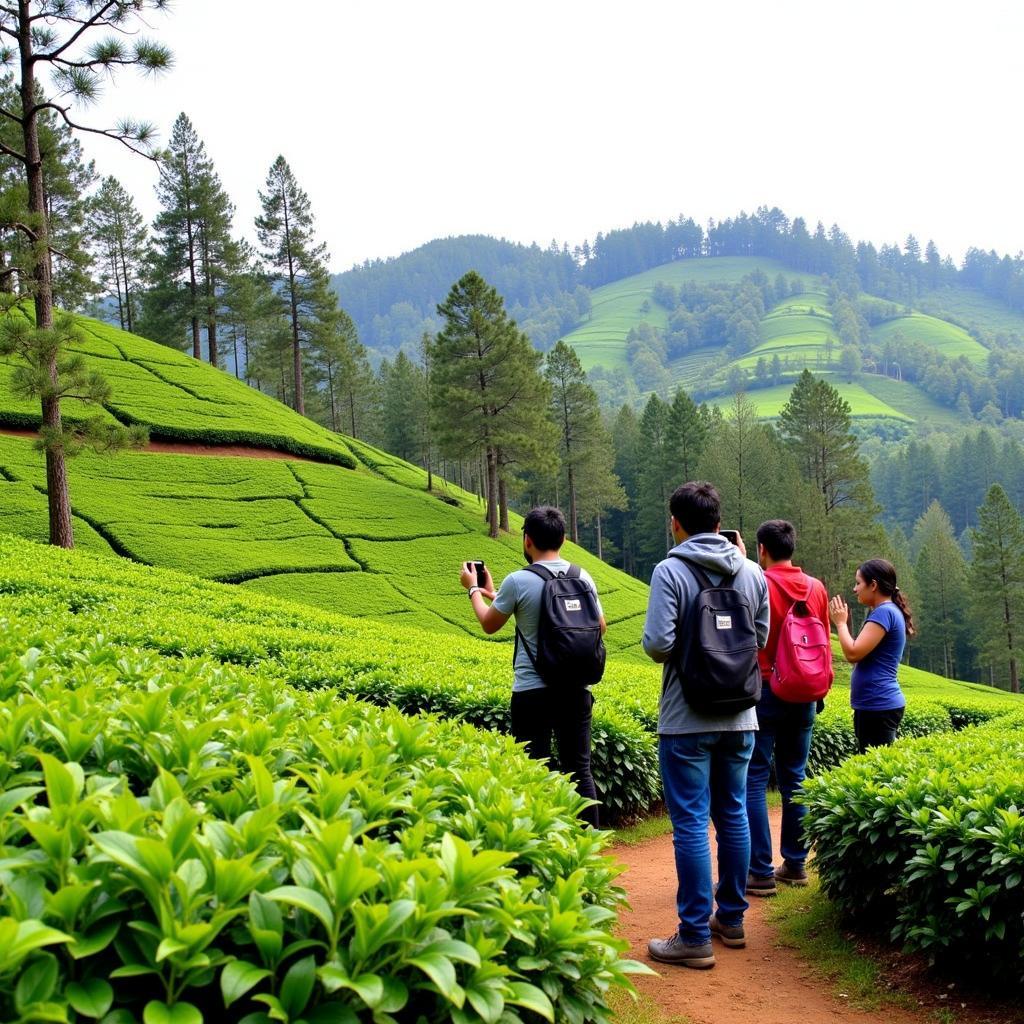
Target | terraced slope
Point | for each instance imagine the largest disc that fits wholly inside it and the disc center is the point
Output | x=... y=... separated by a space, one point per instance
x=179 y=398
x=947 y=338
x=351 y=541
x=618 y=307
x=798 y=330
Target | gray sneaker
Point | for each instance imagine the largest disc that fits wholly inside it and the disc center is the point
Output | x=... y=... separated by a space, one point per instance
x=760 y=886
x=674 y=951
x=791 y=874
x=732 y=936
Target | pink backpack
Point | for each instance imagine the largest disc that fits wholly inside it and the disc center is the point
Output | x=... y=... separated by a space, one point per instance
x=803 y=658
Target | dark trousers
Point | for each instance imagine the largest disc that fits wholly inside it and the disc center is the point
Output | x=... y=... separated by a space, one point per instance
x=876 y=728
x=566 y=714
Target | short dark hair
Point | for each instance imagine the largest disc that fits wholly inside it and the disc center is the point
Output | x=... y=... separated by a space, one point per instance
x=545 y=526
x=696 y=507
x=778 y=538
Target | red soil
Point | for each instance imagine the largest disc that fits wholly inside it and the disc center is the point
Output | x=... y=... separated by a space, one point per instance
x=765 y=983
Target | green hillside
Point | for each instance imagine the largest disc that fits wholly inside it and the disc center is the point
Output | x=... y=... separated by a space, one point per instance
x=973 y=309
x=798 y=330
x=367 y=540
x=617 y=308
x=178 y=398
x=950 y=340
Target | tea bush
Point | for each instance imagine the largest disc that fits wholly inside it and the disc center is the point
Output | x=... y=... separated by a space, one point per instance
x=178 y=615
x=927 y=837
x=179 y=398
x=186 y=841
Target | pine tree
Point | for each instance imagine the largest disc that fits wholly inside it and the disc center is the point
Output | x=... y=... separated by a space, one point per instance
x=80 y=43
x=690 y=425
x=249 y=309
x=626 y=443
x=575 y=413
x=997 y=583
x=286 y=232
x=747 y=464
x=815 y=426
x=941 y=574
x=191 y=243
x=401 y=391
x=488 y=396
x=119 y=238
x=658 y=477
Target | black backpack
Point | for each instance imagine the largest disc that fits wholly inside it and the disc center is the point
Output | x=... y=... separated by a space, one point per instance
x=570 y=651
x=720 y=675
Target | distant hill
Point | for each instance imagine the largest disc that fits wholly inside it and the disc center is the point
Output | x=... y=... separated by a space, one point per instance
x=392 y=302
x=338 y=525
x=798 y=331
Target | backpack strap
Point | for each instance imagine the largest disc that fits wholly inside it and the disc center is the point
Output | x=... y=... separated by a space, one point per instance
x=542 y=573
x=702 y=578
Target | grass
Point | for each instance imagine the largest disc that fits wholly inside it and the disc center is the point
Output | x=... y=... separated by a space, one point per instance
x=863 y=403
x=618 y=307
x=973 y=309
x=808 y=923
x=948 y=339
x=641 y=1010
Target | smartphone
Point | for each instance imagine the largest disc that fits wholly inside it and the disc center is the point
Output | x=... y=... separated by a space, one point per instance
x=481 y=579
x=732 y=536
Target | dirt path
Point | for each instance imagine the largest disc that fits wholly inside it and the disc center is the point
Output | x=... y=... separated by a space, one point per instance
x=180 y=448
x=763 y=983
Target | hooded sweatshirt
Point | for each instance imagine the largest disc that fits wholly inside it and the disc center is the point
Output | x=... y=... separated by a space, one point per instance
x=786 y=584
x=673 y=592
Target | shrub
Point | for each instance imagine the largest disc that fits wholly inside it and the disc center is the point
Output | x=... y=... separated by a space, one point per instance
x=927 y=837
x=177 y=615
x=183 y=841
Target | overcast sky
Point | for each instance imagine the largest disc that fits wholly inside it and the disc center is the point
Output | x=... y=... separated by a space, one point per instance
x=406 y=121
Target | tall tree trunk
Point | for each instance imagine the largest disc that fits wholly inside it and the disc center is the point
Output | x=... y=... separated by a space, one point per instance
x=574 y=533
x=600 y=548
x=503 y=503
x=234 y=353
x=492 y=491
x=58 y=500
x=293 y=299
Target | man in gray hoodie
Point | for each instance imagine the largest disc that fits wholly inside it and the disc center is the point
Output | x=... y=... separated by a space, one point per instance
x=703 y=757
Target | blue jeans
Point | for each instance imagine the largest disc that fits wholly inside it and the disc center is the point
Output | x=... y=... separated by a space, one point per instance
x=705 y=775
x=785 y=730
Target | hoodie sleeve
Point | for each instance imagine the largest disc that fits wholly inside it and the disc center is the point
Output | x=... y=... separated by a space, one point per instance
x=662 y=615
x=762 y=619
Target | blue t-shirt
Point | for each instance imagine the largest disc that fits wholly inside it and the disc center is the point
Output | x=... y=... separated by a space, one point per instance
x=873 y=684
x=520 y=595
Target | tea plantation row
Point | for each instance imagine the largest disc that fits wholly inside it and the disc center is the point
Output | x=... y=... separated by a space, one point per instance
x=927 y=838
x=355 y=542
x=457 y=677
x=183 y=841
x=179 y=398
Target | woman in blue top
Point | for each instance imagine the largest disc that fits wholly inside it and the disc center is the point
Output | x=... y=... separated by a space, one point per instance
x=875 y=695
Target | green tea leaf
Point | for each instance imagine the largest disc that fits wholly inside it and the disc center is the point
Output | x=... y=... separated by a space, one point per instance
x=179 y=1013
x=239 y=977
x=297 y=986
x=91 y=998
x=36 y=983
x=306 y=899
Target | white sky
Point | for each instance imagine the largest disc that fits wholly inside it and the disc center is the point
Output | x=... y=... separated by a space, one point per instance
x=406 y=120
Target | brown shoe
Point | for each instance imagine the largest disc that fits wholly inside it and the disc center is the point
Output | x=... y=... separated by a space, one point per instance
x=732 y=936
x=791 y=874
x=760 y=886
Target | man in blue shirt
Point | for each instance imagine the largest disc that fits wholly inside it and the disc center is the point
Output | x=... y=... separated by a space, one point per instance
x=539 y=711
x=704 y=758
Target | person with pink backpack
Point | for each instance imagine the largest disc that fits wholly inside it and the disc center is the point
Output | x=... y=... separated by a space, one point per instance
x=796 y=671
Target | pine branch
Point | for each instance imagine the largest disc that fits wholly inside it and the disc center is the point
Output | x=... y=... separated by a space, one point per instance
x=129 y=132
x=4 y=148
x=88 y=23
